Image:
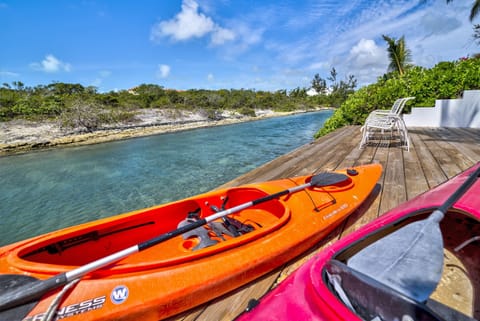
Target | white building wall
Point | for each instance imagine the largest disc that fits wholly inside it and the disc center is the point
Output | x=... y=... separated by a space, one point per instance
x=464 y=112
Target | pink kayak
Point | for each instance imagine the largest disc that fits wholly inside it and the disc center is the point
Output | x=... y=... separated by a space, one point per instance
x=419 y=261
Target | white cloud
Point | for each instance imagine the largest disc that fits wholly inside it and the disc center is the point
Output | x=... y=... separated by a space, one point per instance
x=101 y=77
x=439 y=24
x=222 y=35
x=210 y=77
x=249 y=35
x=51 y=64
x=190 y=23
x=318 y=65
x=96 y=82
x=8 y=74
x=187 y=24
x=163 y=71
x=105 y=73
x=245 y=36
x=366 y=61
x=366 y=54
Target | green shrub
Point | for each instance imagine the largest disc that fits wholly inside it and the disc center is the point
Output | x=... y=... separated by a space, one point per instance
x=246 y=111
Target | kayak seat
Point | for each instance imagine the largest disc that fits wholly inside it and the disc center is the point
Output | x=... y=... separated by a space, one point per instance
x=210 y=234
x=370 y=299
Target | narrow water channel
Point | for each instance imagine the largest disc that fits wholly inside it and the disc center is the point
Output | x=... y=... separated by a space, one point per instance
x=44 y=191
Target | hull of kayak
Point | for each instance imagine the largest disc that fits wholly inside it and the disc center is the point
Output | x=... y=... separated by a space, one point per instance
x=183 y=272
x=312 y=292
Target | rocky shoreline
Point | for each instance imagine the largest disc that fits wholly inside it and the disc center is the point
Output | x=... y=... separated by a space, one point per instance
x=19 y=136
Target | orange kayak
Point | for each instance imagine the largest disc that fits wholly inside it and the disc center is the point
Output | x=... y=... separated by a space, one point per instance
x=119 y=268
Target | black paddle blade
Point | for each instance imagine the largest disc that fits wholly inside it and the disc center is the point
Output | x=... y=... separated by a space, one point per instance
x=327 y=178
x=9 y=282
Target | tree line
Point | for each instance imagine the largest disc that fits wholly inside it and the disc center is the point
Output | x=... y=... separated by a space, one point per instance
x=76 y=105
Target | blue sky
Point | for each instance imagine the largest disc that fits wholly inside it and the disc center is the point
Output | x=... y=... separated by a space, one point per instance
x=215 y=44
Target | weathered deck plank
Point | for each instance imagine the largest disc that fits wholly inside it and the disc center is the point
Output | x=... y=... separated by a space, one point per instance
x=435 y=155
x=429 y=164
x=415 y=178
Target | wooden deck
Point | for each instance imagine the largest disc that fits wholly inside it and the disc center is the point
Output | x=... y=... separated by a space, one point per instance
x=436 y=154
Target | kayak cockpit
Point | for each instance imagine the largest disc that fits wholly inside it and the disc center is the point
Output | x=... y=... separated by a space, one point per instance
x=76 y=246
x=372 y=300
x=456 y=295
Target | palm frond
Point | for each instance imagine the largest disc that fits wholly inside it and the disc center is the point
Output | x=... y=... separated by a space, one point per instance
x=398 y=54
x=475 y=10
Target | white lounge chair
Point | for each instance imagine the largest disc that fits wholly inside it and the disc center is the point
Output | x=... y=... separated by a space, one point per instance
x=386 y=120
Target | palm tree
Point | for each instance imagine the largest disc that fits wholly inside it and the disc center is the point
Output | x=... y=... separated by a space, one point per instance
x=400 y=56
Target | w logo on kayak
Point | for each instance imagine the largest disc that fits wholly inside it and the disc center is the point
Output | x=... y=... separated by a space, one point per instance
x=119 y=294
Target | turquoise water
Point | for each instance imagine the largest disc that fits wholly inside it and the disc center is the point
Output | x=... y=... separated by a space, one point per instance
x=44 y=191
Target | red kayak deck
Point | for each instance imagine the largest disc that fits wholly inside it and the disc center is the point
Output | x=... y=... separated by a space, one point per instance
x=172 y=277
x=309 y=294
